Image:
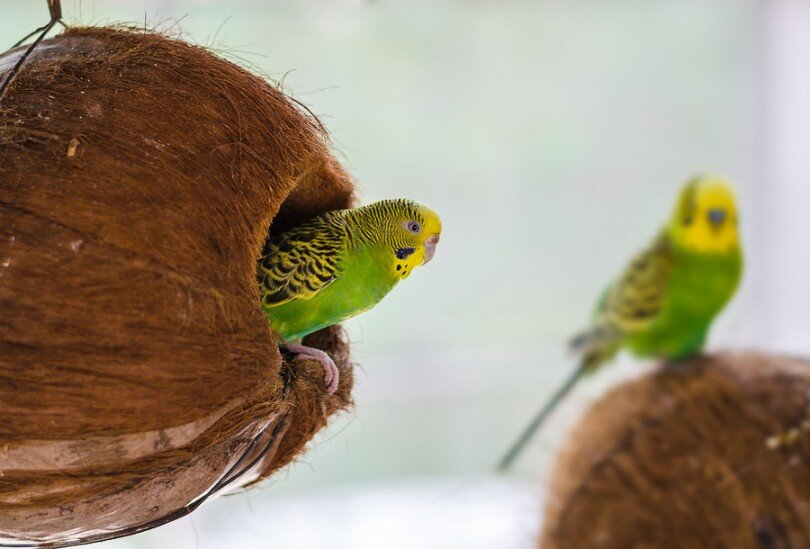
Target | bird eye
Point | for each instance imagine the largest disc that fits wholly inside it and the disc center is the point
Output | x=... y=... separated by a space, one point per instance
x=413 y=227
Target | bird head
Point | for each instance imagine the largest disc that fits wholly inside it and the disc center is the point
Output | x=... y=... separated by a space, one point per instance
x=705 y=217
x=406 y=229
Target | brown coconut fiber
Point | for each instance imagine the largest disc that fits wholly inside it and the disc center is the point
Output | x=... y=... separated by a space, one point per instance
x=138 y=178
x=712 y=454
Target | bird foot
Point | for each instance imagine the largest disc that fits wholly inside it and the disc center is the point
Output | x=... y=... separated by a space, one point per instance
x=331 y=375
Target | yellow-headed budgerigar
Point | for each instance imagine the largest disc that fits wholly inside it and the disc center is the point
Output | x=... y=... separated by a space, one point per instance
x=338 y=265
x=666 y=299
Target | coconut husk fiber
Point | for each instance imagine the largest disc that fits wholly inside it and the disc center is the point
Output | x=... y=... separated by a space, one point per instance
x=138 y=178
x=713 y=453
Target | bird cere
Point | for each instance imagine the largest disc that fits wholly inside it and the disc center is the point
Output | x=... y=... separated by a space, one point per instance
x=340 y=264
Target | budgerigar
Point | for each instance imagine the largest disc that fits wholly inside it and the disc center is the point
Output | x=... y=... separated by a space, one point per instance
x=666 y=299
x=340 y=264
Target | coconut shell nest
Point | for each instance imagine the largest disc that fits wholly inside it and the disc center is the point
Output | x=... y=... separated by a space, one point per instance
x=713 y=453
x=139 y=177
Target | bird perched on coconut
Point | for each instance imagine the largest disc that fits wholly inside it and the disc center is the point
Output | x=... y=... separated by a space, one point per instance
x=664 y=302
x=338 y=265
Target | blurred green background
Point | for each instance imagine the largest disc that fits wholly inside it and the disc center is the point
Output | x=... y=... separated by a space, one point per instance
x=552 y=137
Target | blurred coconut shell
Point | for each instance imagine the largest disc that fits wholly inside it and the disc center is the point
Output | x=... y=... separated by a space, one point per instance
x=715 y=453
x=138 y=178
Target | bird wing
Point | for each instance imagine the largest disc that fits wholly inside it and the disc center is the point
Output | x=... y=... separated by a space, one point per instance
x=628 y=305
x=637 y=298
x=302 y=261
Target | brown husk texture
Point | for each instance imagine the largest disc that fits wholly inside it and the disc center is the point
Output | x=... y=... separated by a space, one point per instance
x=713 y=453
x=138 y=178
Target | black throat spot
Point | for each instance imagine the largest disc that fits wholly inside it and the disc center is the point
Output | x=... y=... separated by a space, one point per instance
x=402 y=253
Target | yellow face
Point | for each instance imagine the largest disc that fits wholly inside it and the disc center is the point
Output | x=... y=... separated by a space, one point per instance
x=705 y=219
x=419 y=234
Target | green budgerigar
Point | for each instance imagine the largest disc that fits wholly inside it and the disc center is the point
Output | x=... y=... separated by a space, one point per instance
x=338 y=265
x=666 y=299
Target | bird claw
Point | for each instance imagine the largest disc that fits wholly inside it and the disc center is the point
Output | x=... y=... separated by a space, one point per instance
x=331 y=377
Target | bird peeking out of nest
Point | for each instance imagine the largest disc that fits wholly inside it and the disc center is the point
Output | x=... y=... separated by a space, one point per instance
x=338 y=265
x=668 y=296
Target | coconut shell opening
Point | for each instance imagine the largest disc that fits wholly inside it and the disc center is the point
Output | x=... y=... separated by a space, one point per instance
x=139 y=177
x=713 y=453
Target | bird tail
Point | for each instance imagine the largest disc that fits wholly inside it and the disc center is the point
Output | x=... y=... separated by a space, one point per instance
x=595 y=348
x=541 y=416
x=595 y=345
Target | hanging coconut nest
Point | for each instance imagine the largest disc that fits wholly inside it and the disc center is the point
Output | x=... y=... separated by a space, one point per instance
x=714 y=453
x=139 y=176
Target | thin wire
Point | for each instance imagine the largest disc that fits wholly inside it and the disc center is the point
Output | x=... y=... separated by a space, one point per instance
x=55 y=8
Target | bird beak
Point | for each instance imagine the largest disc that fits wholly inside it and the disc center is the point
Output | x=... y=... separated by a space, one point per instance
x=430 y=248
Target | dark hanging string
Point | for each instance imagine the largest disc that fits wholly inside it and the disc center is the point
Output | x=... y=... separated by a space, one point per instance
x=55 y=9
